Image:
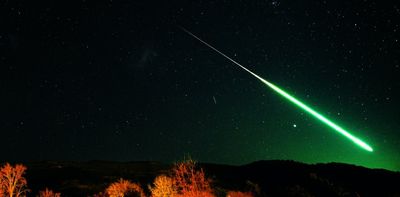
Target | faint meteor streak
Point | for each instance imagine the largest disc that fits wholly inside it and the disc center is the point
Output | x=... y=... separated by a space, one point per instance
x=215 y=100
x=295 y=101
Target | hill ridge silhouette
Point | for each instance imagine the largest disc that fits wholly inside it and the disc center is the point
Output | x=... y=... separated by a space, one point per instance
x=271 y=177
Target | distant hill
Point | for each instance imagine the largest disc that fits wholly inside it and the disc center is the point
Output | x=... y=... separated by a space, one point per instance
x=267 y=178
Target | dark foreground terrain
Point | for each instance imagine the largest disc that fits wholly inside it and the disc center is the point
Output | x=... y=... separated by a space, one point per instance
x=267 y=178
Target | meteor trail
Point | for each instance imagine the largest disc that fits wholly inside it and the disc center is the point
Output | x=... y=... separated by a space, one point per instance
x=292 y=99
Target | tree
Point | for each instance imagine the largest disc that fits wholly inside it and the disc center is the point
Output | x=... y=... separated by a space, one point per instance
x=12 y=180
x=124 y=188
x=48 y=193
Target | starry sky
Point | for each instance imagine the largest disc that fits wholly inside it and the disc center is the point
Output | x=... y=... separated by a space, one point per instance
x=118 y=80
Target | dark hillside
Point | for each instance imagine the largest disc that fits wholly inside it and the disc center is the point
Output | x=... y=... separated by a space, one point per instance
x=268 y=178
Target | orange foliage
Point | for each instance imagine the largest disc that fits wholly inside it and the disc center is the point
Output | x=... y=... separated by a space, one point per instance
x=186 y=181
x=163 y=187
x=48 y=193
x=12 y=182
x=123 y=188
x=239 y=194
x=189 y=181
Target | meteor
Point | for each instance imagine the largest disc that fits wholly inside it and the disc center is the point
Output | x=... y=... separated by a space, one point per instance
x=292 y=99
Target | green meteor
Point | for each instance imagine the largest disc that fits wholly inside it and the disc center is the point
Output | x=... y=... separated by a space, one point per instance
x=295 y=101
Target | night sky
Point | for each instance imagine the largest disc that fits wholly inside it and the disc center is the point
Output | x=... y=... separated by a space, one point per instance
x=118 y=80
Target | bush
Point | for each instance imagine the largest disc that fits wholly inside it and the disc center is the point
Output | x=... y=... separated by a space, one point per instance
x=124 y=188
x=48 y=193
x=186 y=181
x=163 y=187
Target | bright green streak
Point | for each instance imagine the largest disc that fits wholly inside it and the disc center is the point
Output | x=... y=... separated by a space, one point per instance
x=319 y=116
x=298 y=103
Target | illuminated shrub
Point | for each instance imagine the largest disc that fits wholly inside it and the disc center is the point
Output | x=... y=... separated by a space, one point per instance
x=12 y=181
x=191 y=181
x=239 y=194
x=124 y=188
x=163 y=187
x=48 y=193
x=186 y=180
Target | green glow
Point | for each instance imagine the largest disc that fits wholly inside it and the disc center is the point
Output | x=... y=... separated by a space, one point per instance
x=298 y=103
x=319 y=116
